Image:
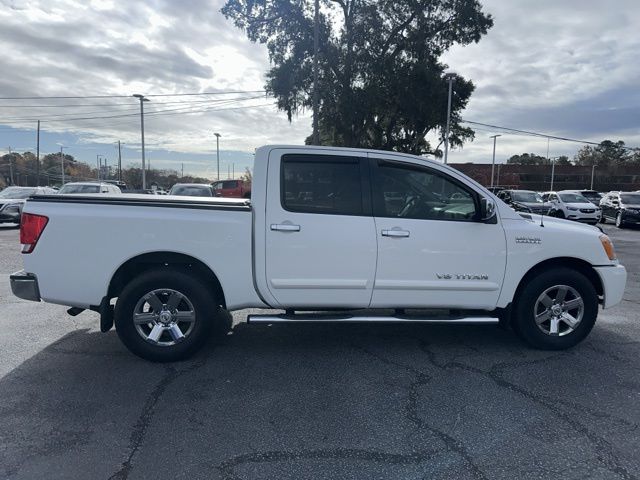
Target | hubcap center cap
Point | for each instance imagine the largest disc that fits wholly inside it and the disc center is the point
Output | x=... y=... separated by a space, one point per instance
x=166 y=316
x=556 y=310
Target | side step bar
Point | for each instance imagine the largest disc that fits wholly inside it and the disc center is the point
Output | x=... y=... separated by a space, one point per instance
x=341 y=318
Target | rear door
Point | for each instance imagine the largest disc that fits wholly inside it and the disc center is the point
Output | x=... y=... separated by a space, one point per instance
x=320 y=234
x=432 y=250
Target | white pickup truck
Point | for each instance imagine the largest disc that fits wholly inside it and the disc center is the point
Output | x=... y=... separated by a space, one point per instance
x=329 y=234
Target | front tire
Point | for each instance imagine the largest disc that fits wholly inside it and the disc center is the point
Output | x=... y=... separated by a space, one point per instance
x=556 y=309
x=166 y=315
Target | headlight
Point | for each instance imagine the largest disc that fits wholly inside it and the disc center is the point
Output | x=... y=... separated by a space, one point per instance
x=573 y=209
x=607 y=244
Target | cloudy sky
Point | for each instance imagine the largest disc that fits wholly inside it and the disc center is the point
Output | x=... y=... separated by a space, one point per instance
x=566 y=68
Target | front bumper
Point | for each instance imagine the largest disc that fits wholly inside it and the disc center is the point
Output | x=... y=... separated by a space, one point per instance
x=614 y=279
x=25 y=285
x=629 y=217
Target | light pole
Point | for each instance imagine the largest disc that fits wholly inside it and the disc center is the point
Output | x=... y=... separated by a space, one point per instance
x=142 y=100
x=593 y=168
x=449 y=77
x=218 y=153
x=98 y=166
x=493 y=161
x=553 y=170
x=62 y=162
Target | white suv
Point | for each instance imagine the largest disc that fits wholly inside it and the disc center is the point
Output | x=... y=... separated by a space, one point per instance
x=572 y=206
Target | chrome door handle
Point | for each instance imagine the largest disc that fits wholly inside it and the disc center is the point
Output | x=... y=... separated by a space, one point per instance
x=395 y=233
x=285 y=227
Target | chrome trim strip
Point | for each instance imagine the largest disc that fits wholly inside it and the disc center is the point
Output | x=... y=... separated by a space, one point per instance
x=365 y=319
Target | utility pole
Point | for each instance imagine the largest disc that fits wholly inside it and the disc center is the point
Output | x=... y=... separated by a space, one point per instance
x=593 y=169
x=38 y=156
x=449 y=77
x=316 y=93
x=11 y=165
x=553 y=171
x=119 y=162
x=142 y=100
x=493 y=161
x=218 y=153
x=182 y=176
x=62 y=163
x=233 y=170
x=98 y=166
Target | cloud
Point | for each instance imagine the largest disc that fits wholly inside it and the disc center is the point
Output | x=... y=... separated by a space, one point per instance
x=568 y=68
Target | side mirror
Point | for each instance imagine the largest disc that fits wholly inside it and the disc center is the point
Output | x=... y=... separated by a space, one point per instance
x=487 y=209
x=615 y=201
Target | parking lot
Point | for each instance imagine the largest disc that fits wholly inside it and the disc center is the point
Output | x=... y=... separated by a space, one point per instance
x=318 y=401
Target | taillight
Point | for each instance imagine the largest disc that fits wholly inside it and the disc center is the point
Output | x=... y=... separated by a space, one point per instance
x=31 y=227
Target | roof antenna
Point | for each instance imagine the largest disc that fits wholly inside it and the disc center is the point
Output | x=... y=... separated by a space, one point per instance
x=542 y=217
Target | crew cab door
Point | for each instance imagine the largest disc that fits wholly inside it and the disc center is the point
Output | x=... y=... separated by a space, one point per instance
x=432 y=250
x=320 y=235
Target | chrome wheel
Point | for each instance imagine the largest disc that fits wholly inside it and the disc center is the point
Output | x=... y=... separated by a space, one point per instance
x=164 y=317
x=559 y=310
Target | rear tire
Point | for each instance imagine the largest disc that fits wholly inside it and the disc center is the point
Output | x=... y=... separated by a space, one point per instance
x=556 y=309
x=166 y=315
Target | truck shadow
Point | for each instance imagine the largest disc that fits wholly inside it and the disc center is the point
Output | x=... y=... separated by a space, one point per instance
x=85 y=391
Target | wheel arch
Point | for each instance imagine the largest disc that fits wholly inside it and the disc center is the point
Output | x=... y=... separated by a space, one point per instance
x=150 y=260
x=577 y=264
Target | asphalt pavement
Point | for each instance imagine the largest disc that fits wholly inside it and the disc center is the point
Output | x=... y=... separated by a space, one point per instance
x=318 y=401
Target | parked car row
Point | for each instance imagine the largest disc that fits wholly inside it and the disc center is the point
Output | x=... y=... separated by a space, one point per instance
x=587 y=206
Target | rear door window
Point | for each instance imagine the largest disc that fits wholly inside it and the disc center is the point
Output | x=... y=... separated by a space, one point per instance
x=322 y=184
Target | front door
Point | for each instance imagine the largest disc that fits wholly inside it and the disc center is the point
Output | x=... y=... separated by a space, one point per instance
x=432 y=250
x=320 y=236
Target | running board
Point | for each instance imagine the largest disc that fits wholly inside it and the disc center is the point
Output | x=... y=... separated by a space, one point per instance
x=329 y=318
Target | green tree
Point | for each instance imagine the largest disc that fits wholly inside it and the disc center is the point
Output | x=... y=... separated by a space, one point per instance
x=528 y=159
x=606 y=154
x=381 y=83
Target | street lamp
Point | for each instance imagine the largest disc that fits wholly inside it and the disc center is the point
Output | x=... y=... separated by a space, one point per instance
x=218 y=153
x=593 y=168
x=98 y=165
x=493 y=161
x=142 y=100
x=553 y=170
x=62 y=162
x=449 y=77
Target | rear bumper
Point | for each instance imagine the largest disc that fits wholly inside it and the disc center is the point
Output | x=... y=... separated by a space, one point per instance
x=25 y=285
x=614 y=279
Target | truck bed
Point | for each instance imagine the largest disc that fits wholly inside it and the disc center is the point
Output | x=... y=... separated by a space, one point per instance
x=89 y=237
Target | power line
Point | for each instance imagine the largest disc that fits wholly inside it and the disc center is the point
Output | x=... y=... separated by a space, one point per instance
x=69 y=97
x=191 y=104
x=538 y=134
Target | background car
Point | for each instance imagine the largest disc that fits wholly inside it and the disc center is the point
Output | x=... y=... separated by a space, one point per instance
x=524 y=201
x=572 y=206
x=88 y=187
x=12 y=200
x=623 y=208
x=591 y=195
x=192 y=190
x=232 y=188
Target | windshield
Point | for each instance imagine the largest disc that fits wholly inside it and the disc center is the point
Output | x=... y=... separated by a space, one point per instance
x=630 y=198
x=592 y=196
x=191 y=191
x=528 y=197
x=573 y=198
x=225 y=184
x=80 y=189
x=17 y=192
